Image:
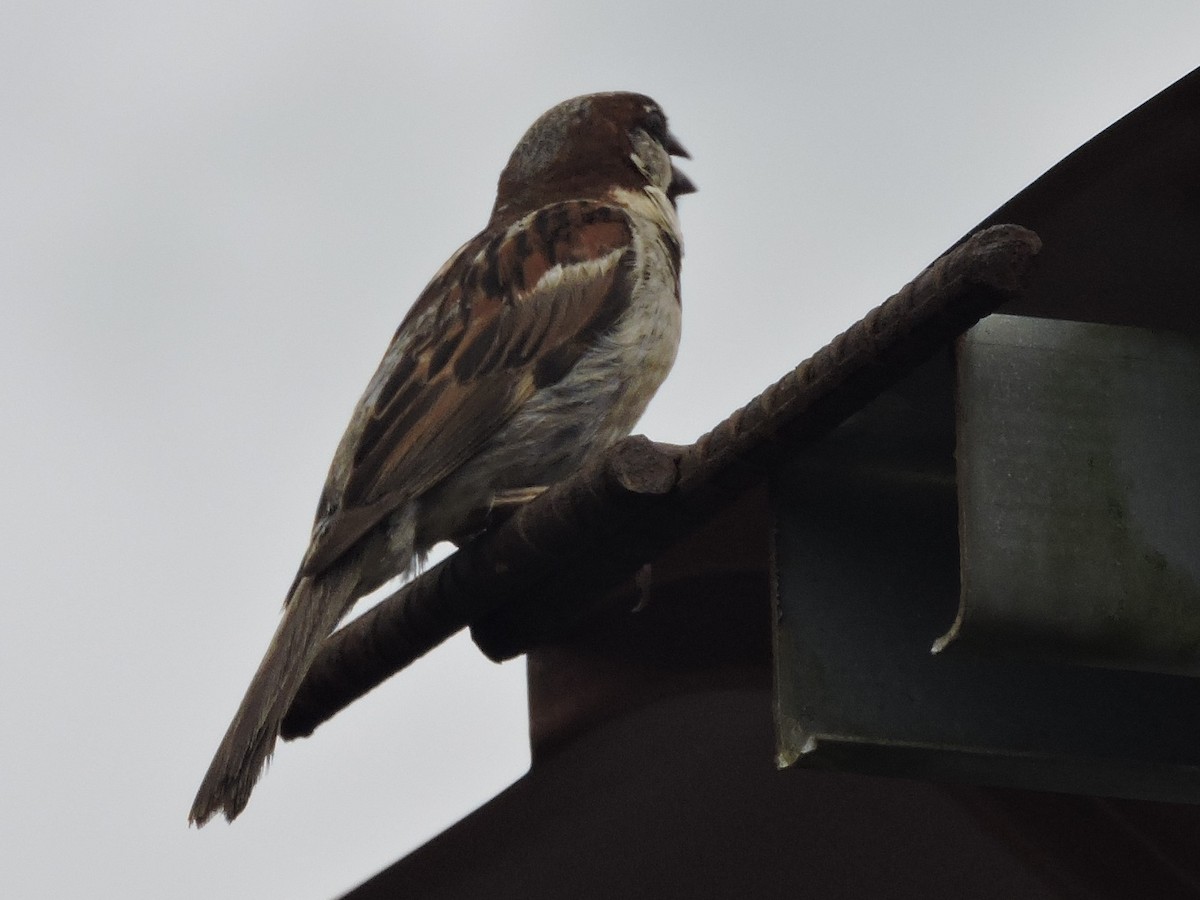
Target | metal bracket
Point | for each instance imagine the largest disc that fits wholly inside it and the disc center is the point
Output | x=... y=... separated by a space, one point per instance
x=867 y=577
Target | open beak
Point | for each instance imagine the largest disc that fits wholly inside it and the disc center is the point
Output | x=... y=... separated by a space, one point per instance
x=672 y=146
x=680 y=183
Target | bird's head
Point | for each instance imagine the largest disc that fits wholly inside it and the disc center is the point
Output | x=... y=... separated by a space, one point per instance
x=584 y=147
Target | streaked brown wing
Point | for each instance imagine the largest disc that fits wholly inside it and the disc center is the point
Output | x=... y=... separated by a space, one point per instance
x=510 y=315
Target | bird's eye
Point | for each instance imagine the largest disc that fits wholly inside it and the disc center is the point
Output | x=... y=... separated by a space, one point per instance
x=656 y=124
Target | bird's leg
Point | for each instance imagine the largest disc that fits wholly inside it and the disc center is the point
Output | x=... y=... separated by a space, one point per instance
x=502 y=505
x=517 y=496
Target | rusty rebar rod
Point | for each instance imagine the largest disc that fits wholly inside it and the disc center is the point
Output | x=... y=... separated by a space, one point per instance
x=594 y=530
x=952 y=294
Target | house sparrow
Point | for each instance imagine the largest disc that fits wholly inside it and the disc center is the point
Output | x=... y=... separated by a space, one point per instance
x=532 y=350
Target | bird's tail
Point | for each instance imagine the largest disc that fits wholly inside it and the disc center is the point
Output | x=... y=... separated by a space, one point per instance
x=314 y=606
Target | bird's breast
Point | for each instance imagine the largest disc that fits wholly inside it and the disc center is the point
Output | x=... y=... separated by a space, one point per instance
x=630 y=363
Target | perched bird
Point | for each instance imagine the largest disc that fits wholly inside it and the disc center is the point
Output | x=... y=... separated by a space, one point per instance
x=532 y=350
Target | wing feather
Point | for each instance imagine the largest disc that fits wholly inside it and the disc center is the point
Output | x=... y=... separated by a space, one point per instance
x=508 y=316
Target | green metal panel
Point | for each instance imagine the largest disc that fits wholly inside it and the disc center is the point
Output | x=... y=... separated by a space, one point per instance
x=867 y=576
x=1079 y=480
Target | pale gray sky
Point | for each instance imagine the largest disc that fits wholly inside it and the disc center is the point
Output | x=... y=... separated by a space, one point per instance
x=212 y=218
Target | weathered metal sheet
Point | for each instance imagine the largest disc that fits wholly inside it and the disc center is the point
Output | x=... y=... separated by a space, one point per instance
x=1079 y=493
x=867 y=577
